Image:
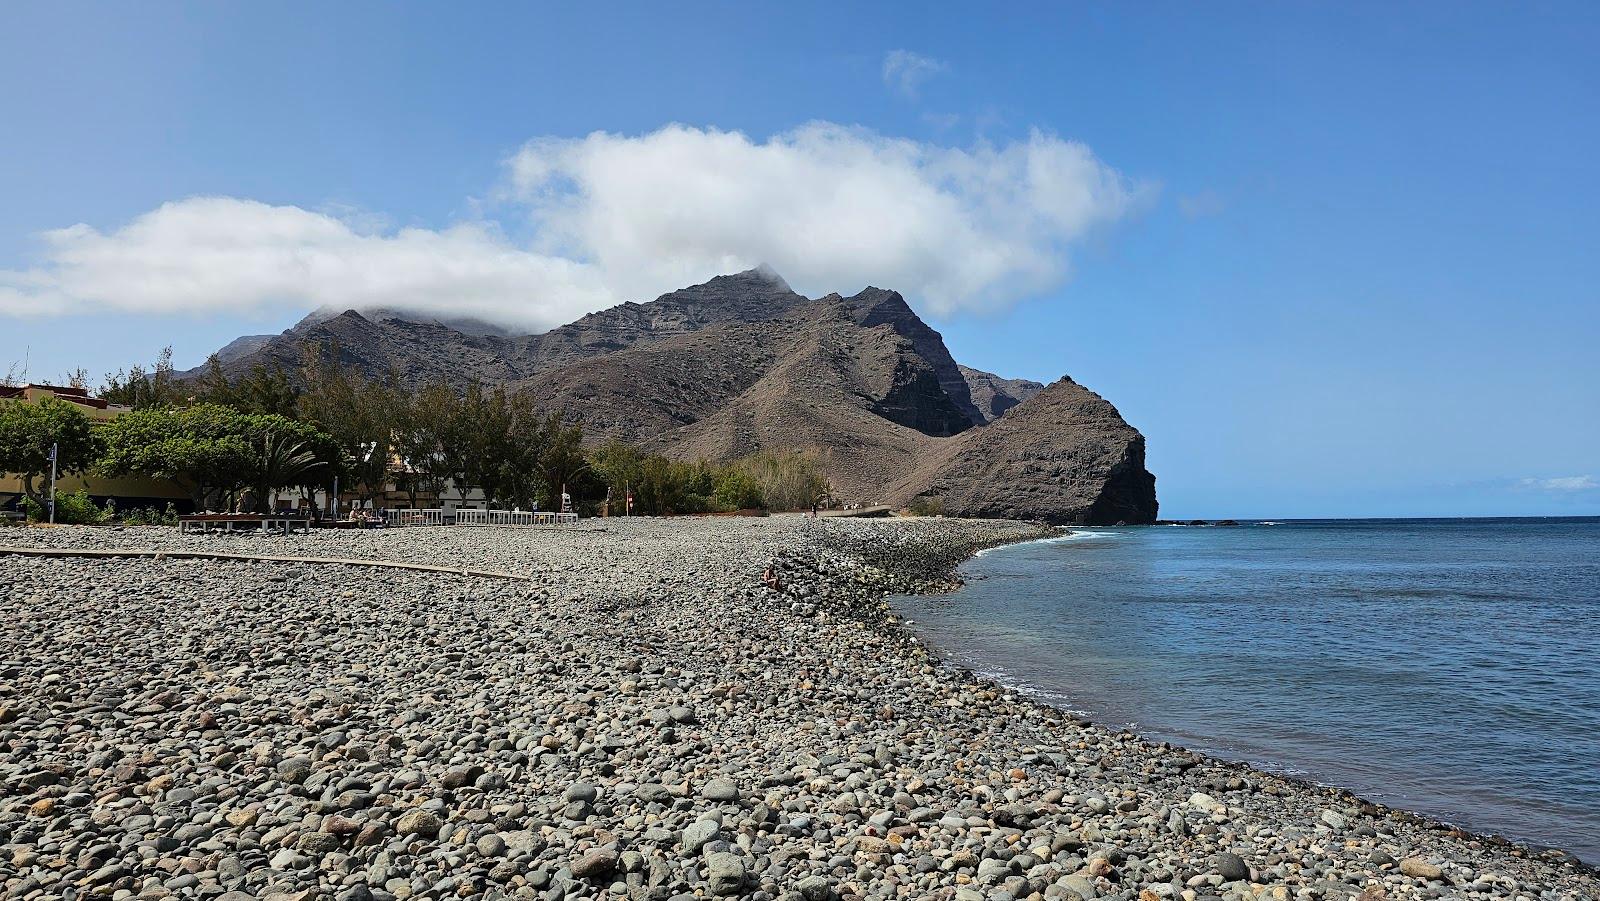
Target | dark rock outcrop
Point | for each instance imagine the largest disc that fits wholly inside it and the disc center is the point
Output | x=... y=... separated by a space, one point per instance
x=1064 y=456
x=874 y=307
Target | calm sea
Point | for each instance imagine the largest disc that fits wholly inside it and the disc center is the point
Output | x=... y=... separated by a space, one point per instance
x=1445 y=666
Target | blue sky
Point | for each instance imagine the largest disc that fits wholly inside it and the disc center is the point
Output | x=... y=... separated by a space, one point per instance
x=1341 y=260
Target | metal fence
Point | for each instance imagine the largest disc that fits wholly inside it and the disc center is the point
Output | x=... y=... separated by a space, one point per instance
x=468 y=516
x=413 y=517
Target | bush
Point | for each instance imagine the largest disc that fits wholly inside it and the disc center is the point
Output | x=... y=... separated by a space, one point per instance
x=771 y=481
x=73 y=508
x=736 y=490
x=150 y=516
x=788 y=480
x=928 y=506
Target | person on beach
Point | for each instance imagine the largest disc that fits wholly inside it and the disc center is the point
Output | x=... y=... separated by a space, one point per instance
x=769 y=578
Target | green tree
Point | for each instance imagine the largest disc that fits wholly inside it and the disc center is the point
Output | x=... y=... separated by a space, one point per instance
x=264 y=389
x=287 y=460
x=362 y=415
x=471 y=440
x=145 y=389
x=422 y=424
x=561 y=462
x=488 y=433
x=736 y=490
x=618 y=468
x=27 y=431
x=163 y=443
x=214 y=451
x=518 y=474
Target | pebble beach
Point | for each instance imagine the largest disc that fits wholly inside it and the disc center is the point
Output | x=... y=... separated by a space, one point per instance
x=628 y=713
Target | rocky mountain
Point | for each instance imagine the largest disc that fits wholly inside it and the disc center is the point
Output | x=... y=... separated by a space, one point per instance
x=993 y=395
x=242 y=346
x=1064 y=452
x=743 y=363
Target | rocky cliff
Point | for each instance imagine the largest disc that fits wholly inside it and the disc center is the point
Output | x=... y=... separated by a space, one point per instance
x=993 y=395
x=742 y=364
x=1064 y=455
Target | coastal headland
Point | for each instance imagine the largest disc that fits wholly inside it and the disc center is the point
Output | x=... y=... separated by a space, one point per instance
x=636 y=716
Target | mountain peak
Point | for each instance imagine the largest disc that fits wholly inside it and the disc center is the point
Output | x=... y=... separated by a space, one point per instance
x=765 y=271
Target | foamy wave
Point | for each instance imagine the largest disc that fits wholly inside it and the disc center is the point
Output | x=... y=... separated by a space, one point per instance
x=1007 y=680
x=1080 y=535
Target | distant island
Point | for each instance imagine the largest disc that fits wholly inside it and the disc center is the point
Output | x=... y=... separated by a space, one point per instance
x=742 y=364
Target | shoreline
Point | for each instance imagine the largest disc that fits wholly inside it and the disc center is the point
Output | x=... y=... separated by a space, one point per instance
x=641 y=720
x=943 y=580
x=1035 y=695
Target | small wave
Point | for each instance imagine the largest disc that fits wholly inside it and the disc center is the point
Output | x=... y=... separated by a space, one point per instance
x=1079 y=535
x=1011 y=682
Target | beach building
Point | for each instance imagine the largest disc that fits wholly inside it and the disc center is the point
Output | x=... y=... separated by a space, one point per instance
x=133 y=491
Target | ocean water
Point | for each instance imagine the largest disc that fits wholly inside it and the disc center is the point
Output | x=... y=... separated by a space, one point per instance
x=1450 y=667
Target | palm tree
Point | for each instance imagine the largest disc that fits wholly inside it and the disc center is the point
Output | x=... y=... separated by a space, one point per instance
x=286 y=462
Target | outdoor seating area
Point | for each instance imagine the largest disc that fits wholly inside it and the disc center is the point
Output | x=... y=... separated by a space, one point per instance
x=285 y=522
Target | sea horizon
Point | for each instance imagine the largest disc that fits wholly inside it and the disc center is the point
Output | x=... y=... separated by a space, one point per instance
x=1261 y=520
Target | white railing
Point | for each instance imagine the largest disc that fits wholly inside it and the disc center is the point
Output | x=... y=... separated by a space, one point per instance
x=413 y=517
x=473 y=516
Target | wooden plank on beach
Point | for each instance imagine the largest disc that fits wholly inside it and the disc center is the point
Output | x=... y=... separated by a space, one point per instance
x=879 y=510
x=253 y=558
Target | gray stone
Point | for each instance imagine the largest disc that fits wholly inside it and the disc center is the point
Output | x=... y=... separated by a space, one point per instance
x=720 y=790
x=597 y=863
x=697 y=835
x=580 y=791
x=1079 y=885
x=1231 y=867
x=419 y=822
x=725 y=873
x=815 y=888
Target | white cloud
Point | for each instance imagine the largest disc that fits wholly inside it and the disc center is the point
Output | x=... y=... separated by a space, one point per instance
x=906 y=71
x=831 y=208
x=222 y=253
x=621 y=218
x=1563 y=483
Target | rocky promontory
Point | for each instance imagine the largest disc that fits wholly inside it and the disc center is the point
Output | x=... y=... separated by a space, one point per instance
x=1064 y=455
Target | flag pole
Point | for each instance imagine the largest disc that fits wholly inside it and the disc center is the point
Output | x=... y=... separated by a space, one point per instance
x=54 y=452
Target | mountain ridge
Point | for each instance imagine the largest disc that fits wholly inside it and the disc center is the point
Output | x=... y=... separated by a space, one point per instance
x=742 y=363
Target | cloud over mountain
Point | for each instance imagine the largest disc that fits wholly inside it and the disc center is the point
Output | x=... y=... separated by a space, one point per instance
x=225 y=253
x=619 y=217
